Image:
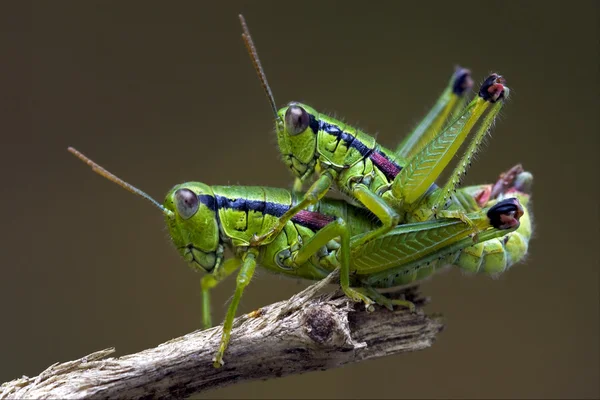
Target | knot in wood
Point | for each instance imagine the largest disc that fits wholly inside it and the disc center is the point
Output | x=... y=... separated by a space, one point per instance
x=320 y=322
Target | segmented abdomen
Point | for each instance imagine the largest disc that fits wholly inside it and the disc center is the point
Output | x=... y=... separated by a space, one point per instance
x=492 y=256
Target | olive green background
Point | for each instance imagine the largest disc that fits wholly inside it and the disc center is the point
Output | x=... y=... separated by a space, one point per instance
x=161 y=93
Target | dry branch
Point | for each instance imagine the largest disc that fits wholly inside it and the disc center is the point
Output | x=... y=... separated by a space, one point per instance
x=304 y=333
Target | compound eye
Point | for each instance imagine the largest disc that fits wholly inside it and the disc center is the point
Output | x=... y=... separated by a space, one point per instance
x=186 y=203
x=296 y=120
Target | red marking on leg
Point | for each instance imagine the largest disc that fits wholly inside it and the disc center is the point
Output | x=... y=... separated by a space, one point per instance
x=389 y=168
x=312 y=220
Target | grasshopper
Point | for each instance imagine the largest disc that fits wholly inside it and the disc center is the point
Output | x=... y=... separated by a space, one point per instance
x=203 y=220
x=397 y=187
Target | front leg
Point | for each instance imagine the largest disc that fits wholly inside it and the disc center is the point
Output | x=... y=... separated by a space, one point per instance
x=243 y=278
x=313 y=195
x=210 y=281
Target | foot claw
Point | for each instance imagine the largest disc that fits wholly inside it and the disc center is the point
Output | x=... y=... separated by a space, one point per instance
x=218 y=361
x=358 y=297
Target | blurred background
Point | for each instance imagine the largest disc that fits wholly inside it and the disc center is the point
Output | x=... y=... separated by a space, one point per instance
x=165 y=93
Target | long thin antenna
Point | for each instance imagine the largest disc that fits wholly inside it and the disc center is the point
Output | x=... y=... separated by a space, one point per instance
x=257 y=65
x=102 y=172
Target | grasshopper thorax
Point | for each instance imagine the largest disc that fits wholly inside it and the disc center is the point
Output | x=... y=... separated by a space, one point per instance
x=297 y=128
x=194 y=226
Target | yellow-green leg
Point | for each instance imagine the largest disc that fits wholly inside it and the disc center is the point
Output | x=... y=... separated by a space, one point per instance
x=387 y=215
x=454 y=180
x=313 y=195
x=243 y=278
x=450 y=102
x=337 y=228
x=210 y=281
x=426 y=166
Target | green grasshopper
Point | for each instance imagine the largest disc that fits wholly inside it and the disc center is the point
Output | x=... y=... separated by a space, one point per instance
x=394 y=188
x=203 y=220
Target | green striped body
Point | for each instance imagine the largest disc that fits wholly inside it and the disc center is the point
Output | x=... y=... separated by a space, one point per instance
x=229 y=216
x=351 y=157
x=240 y=212
x=350 y=154
x=355 y=156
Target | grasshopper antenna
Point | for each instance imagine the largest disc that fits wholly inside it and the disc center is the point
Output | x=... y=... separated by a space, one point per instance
x=257 y=65
x=102 y=172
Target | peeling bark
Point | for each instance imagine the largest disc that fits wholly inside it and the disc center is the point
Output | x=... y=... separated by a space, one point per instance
x=305 y=333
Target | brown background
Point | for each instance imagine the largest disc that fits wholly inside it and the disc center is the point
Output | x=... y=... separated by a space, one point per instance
x=165 y=93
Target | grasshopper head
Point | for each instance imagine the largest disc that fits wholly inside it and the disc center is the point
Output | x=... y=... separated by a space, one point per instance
x=297 y=127
x=193 y=224
x=190 y=213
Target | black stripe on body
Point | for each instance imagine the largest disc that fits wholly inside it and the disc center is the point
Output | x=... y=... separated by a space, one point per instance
x=389 y=167
x=309 y=219
x=313 y=123
x=245 y=205
x=350 y=140
x=207 y=200
x=275 y=209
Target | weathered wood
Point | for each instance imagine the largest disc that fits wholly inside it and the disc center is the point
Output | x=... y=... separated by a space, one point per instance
x=304 y=333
